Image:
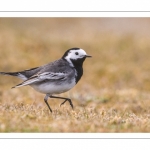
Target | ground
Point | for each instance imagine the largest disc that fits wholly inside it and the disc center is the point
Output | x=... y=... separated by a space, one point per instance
x=114 y=92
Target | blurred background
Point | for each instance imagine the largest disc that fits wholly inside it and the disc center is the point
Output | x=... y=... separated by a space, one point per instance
x=119 y=46
x=119 y=69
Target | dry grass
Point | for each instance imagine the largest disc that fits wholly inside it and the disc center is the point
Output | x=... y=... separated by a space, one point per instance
x=113 y=95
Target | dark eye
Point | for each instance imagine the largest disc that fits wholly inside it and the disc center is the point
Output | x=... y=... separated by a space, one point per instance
x=76 y=53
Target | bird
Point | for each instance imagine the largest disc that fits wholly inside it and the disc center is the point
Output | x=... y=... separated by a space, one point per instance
x=55 y=77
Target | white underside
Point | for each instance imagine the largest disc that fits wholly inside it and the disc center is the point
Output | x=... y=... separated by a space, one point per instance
x=52 y=88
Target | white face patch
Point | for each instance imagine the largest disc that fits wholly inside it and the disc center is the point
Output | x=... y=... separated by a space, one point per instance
x=75 y=54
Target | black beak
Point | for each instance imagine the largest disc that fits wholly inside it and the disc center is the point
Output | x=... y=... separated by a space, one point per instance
x=88 y=56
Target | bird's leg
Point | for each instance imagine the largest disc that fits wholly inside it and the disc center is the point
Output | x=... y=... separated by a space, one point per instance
x=66 y=99
x=46 y=99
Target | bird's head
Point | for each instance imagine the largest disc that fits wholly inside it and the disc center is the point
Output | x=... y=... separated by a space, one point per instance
x=75 y=56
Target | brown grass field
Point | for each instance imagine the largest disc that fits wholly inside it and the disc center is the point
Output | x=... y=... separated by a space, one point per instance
x=114 y=92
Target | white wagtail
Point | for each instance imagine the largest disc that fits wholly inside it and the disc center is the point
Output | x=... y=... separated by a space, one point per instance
x=55 y=77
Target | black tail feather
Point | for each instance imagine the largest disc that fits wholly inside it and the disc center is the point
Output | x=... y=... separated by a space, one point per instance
x=10 y=73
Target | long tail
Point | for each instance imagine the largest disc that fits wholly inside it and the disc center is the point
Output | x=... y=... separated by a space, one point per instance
x=10 y=73
x=24 y=75
x=16 y=74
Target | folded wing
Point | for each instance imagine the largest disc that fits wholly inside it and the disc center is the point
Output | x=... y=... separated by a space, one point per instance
x=41 y=77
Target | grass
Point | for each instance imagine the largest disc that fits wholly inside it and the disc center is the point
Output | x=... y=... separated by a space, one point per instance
x=114 y=92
